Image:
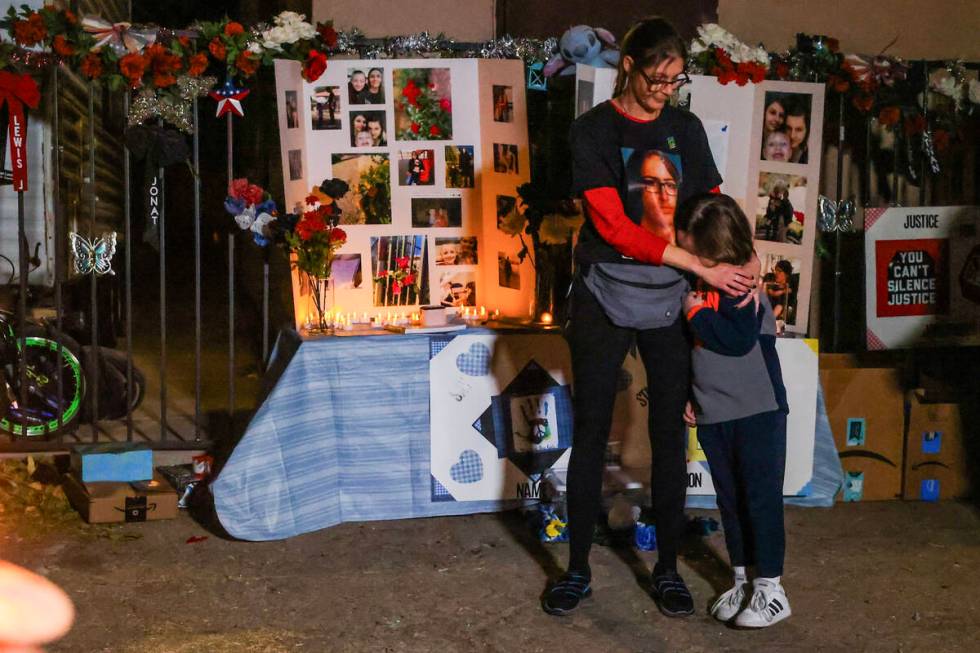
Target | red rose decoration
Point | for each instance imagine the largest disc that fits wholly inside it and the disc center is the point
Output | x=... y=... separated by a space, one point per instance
x=415 y=128
x=889 y=116
x=782 y=70
x=62 y=47
x=234 y=29
x=31 y=31
x=434 y=130
x=327 y=34
x=197 y=64
x=217 y=49
x=445 y=105
x=382 y=274
x=237 y=188
x=92 y=65
x=863 y=102
x=253 y=194
x=247 y=63
x=132 y=66
x=316 y=63
x=409 y=279
x=338 y=236
x=396 y=287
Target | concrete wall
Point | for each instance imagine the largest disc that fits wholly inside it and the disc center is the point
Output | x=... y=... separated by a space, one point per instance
x=463 y=20
x=941 y=29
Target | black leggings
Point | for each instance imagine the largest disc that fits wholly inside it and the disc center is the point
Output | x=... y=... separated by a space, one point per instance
x=598 y=350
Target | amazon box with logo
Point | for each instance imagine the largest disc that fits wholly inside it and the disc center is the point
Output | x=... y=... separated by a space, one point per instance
x=866 y=413
x=935 y=459
x=108 y=502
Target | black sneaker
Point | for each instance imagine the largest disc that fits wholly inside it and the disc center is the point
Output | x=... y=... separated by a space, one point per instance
x=671 y=594
x=565 y=595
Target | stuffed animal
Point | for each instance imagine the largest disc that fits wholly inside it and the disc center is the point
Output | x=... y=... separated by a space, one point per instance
x=583 y=44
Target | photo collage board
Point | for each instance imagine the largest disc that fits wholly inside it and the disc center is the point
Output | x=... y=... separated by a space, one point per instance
x=433 y=151
x=766 y=140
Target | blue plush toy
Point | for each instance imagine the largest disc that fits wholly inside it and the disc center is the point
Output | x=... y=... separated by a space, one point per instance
x=585 y=45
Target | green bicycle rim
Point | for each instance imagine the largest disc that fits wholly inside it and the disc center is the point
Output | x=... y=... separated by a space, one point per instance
x=75 y=369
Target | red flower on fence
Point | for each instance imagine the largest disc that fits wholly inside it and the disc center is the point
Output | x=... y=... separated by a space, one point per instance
x=30 y=31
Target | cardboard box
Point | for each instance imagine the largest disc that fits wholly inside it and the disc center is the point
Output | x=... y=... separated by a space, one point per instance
x=109 y=502
x=935 y=459
x=865 y=406
x=112 y=461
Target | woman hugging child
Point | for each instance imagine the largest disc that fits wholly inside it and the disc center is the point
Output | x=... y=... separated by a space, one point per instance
x=740 y=410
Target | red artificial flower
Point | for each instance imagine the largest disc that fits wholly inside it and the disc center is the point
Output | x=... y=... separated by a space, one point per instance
x=782 y=70
x=197 y=64
x=409 y=279
x=311 y=224
x=315 y=64
x=132 y=66
x=70 y=17
x=382 y=274
x=91 y=65
x=758 y=73
x=863 y=102
x=402 y=262
x=432 y=86
x=338 y=236
x=217 y=49
x=312 y=199
x=185 y=41
x=247 y=63
x=445 y=105
x=838 y=83
x=723 y=59
x=236 y=188
x=327 y=34
x=889 y=116
x=434 y=130
x=253 y=194
x=396 y=287
x=415 y=128
x=234 y=29
x=915 y=125
x=30 y=31
x=163 y=80
x=62 y=47
x=411 y=93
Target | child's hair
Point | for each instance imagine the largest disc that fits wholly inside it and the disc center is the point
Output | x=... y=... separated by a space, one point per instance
x=718 y=228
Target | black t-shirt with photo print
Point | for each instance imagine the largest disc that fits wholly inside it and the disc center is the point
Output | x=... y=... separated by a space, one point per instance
x=602 y=141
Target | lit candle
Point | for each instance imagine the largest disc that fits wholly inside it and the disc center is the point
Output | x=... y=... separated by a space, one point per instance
x=546 y=318
x=496 y=313
x=483 y=311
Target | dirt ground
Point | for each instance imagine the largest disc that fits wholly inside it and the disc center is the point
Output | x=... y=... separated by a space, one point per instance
x=887 y=576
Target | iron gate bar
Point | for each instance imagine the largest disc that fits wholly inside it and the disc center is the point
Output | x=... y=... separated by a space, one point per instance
x=94 y=322
x=835 y=339
x=231 y=283
x=22 y=300
x=197 y=277
x=161 y=225
x=128 y=236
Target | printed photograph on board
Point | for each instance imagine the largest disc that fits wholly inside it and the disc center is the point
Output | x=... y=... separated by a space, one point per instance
x=415 y=167
x=508 y=219
x=505 y=158
x=365 y=86
x=292 y=110
x=456 y=251
x=423 y=104
x=457 y=288
x=367 y=129
x=325 y=107
x=459 y=166
x=399 y=270
x=436 y=212
x=781 y=281
x=583 y=96
x=369 y=178
x=295 y=158
x=508 y=271
x=503 y=104
x=786 y=127
x=346 y=271
x=780 y=208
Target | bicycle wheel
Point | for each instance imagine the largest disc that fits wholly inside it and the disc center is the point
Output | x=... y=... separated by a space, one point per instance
x=44 y=413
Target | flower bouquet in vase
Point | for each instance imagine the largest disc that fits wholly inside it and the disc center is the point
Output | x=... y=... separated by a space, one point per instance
x=312 y=239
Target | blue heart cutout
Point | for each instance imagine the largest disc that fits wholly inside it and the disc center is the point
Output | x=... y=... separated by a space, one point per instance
x=475 y=362
x=469 y=469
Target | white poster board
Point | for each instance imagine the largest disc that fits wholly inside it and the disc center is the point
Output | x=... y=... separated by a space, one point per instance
x=734 y=118
x=431 y=196
x=922 y=276
x=630 y=440
x=500 y=415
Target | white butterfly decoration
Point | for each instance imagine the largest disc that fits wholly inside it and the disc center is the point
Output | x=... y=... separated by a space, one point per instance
x=95 y=255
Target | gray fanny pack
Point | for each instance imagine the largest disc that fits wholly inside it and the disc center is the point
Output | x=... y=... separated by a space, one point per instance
x=637 y=296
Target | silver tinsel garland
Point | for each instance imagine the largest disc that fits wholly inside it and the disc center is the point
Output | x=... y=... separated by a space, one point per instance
x=172 y=108
x=353 y=42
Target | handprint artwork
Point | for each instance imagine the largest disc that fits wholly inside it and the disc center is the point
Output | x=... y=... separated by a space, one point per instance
x=533 y=423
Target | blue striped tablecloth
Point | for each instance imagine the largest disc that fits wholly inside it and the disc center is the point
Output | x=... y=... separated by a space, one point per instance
x=343 y=435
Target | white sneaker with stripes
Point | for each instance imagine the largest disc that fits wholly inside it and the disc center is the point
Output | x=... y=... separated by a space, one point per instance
x=768 y=606
x=730 y=603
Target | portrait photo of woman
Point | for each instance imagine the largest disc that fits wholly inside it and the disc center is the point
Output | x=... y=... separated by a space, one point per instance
x=653 y=179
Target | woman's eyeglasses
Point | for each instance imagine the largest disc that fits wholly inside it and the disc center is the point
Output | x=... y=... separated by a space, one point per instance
x=659 y=186
x=660 y=82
